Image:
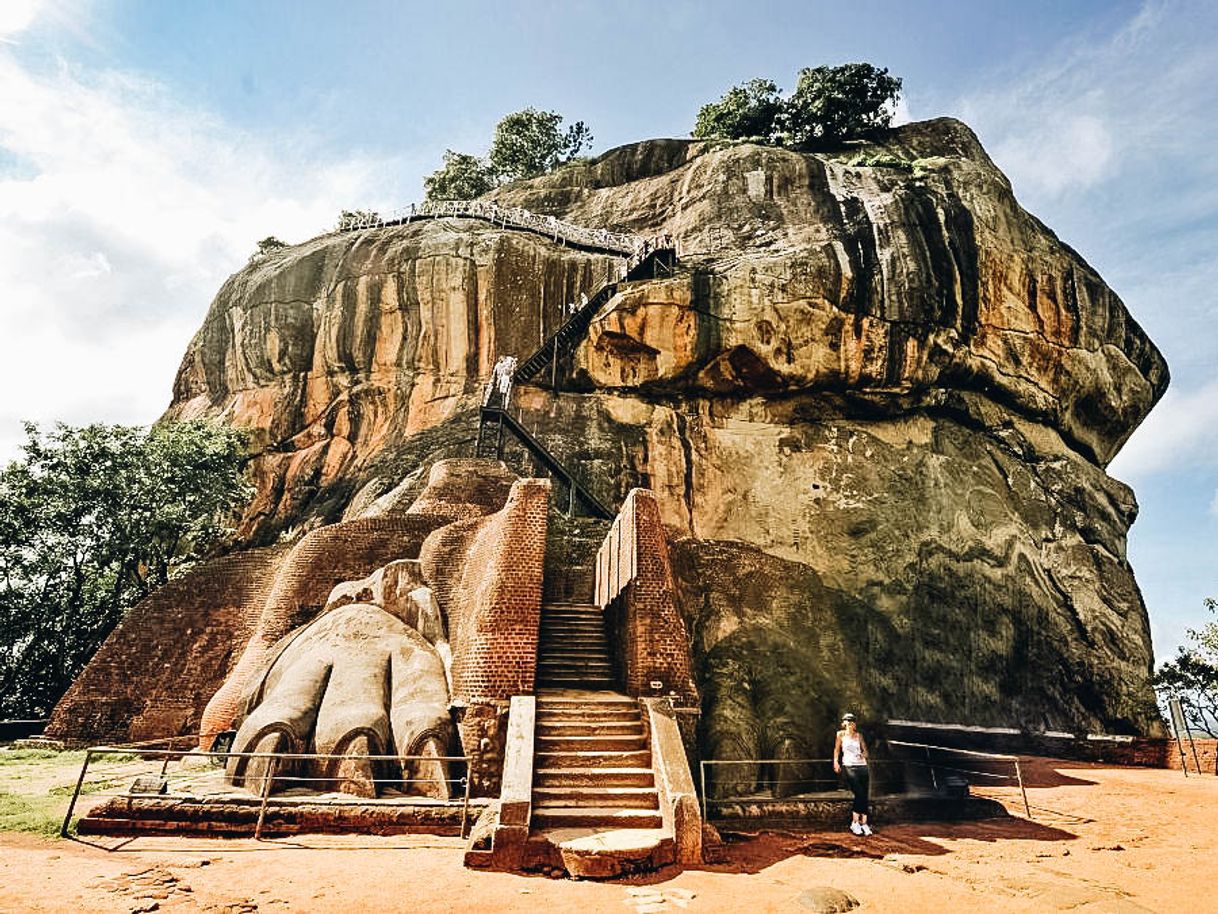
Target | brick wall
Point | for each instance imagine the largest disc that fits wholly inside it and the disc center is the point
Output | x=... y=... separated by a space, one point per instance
x=634 y=585
x=487 y=574
x=160 y=665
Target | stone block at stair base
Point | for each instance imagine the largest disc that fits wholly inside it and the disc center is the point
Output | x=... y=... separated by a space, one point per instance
x=589 y=853
x=678 y=798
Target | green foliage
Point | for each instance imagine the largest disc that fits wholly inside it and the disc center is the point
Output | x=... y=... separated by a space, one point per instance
x=93 y=519
x=881 y=160
x=1193 y=676
x=463 y=177
x=828 y=105
x=747 y=111
x=351 y=218
x=526 y=144
x=529 y=143
x=268 y=246
x=831 y=104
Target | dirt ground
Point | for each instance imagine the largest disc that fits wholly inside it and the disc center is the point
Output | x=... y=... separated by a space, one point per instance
x=1115 y=840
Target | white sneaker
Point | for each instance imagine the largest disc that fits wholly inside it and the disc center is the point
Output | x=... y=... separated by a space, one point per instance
x=856 y=828
x=866 y=829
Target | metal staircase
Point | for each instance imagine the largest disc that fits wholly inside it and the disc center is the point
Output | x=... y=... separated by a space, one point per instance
x=494 y=420
x=655 y=263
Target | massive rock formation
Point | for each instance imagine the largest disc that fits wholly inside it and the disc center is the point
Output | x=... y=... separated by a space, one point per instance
x=875 y=403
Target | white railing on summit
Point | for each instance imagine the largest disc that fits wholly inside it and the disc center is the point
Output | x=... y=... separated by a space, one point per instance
x=507 y=217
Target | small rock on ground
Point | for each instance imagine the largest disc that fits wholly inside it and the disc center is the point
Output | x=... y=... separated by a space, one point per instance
x=825 y=899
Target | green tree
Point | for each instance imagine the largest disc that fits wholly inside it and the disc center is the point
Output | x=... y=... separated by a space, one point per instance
x=747 y=111
x=529 y=143
x=268 y=246
x=830 y=104
x=1193 y=676
x=92 y=519
x=462 y=177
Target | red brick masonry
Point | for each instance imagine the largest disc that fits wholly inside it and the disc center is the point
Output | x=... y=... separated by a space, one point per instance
x=634 y=585
x=160 y=665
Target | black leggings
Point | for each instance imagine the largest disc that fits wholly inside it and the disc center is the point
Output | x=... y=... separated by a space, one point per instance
x=859 y=780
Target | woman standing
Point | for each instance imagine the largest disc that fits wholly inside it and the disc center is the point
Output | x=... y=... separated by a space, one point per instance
x=850 y=752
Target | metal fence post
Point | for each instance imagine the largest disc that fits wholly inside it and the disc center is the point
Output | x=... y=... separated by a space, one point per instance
x=67 y=819
x=1019 y=777
x=272 y=770
x=465 y=802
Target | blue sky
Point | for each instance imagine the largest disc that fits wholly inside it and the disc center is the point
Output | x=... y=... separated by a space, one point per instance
x=145 y=146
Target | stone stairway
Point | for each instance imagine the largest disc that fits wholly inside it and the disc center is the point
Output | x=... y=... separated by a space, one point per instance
x=592 y=766
x=573 y=650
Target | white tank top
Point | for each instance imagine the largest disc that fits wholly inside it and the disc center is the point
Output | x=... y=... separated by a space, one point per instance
x=852 y=750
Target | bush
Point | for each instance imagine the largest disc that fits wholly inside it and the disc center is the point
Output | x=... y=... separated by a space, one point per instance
x=266 y=247
x=747 y=111
x=353 y=218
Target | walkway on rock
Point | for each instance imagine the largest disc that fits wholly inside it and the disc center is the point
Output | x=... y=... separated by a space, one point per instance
x=514 y=217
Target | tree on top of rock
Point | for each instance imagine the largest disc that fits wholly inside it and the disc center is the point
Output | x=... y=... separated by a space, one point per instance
x=827 y=106
x=747 y=111
x=463 y=177
x=831 y=104
x=527 y=143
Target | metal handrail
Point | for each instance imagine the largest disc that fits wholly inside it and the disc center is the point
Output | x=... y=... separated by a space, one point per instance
x=991 y=756
x=516 y=217
x=272 y=776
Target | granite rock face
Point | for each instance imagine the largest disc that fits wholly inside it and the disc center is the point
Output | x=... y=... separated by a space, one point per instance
x=875 y=403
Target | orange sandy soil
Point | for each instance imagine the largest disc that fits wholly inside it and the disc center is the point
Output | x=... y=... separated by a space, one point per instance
x=1103 y=839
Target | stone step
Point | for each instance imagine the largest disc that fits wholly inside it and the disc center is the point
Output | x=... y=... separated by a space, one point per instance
x=574 y=654
x=596 y=795
x=576 y=640
x=589 y=727
x=574 y=665
x=601 y=699
x=585 y=607
x=594 y=777
x=595 y=816
x=576 y=681
x=589 y=715
x=585 y=628
x=638 y=758
x=594 y=743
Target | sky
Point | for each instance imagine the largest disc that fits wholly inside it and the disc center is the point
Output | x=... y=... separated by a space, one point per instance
x=146 y=146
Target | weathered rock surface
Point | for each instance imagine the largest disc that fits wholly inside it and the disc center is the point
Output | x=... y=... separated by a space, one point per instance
x=876 y=405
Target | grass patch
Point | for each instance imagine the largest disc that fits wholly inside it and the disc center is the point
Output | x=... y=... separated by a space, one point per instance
x=38 y=815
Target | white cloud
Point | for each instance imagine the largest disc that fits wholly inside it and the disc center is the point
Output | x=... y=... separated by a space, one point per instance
x=16 y=16
x=1105 y=104
x=1214 y=504
x=1181 y=431
x=121 y=213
